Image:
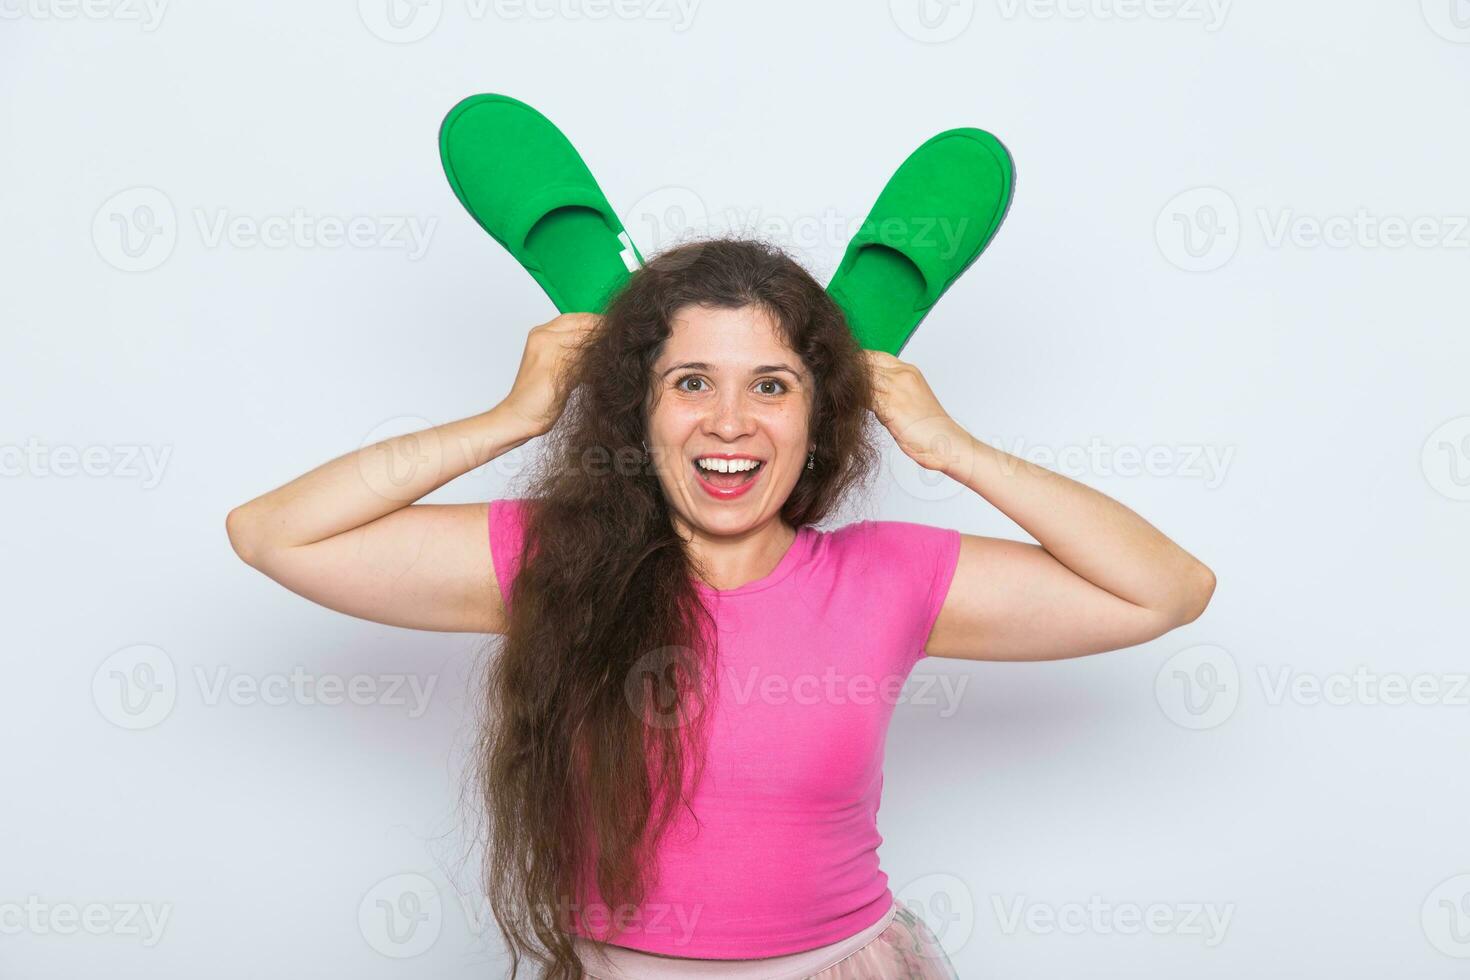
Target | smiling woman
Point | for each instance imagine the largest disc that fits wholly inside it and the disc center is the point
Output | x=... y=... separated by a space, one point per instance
x=632 y=766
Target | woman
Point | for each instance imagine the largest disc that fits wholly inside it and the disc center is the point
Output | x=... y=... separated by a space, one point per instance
x=658 y=802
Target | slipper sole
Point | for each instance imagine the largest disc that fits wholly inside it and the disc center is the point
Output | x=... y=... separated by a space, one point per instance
x=884 y=291
x=526 y=185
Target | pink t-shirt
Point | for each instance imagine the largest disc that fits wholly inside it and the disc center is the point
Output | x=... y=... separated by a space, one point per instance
x=784 y=856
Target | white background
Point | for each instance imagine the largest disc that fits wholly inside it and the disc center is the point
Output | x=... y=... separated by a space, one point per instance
x=1304 y=405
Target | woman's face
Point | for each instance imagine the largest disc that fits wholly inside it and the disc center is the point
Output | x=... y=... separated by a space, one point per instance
x=726 y=385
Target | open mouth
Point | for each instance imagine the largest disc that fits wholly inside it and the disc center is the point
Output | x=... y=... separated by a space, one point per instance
x=727 y=480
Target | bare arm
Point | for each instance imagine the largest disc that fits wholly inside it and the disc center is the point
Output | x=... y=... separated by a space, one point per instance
x=348 y=535
x=1101 y=577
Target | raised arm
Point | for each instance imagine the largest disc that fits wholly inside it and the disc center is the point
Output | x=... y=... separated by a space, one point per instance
x=348 y=534
x=1101 y=577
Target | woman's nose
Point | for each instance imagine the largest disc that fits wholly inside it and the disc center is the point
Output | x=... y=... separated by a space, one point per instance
x=730 y=414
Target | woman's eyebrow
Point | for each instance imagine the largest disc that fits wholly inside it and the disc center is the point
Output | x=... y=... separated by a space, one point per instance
x=758 y=369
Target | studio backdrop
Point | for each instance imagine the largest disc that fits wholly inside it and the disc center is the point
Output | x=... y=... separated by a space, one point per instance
x=1230 y=293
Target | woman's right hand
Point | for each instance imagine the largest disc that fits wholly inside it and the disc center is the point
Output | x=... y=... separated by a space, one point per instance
x=540 y=390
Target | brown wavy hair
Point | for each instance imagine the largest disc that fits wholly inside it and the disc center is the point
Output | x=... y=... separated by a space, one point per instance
x=579 y=763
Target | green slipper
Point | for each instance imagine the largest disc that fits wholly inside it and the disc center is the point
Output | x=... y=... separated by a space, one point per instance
x=526 y=185
x=938 y=212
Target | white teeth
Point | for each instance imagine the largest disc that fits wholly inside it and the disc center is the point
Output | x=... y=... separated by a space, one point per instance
x=727 y=465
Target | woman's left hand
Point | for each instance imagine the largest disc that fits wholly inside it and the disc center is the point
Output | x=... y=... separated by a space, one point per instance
x=908 y=409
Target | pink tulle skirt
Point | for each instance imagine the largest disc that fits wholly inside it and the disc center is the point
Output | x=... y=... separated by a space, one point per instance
x=906 y=950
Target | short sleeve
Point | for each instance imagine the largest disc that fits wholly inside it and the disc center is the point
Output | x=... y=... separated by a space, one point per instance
x=507 y=533
x=940 y=548
x=918 y=563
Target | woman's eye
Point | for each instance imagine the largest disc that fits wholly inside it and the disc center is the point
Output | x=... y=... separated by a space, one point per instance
x=780 y=385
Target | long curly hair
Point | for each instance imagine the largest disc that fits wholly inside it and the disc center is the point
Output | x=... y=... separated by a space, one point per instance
x=592 y=736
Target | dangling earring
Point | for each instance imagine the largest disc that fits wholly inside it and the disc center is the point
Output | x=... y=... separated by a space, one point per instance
x=811 y=460
x=645 y=449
